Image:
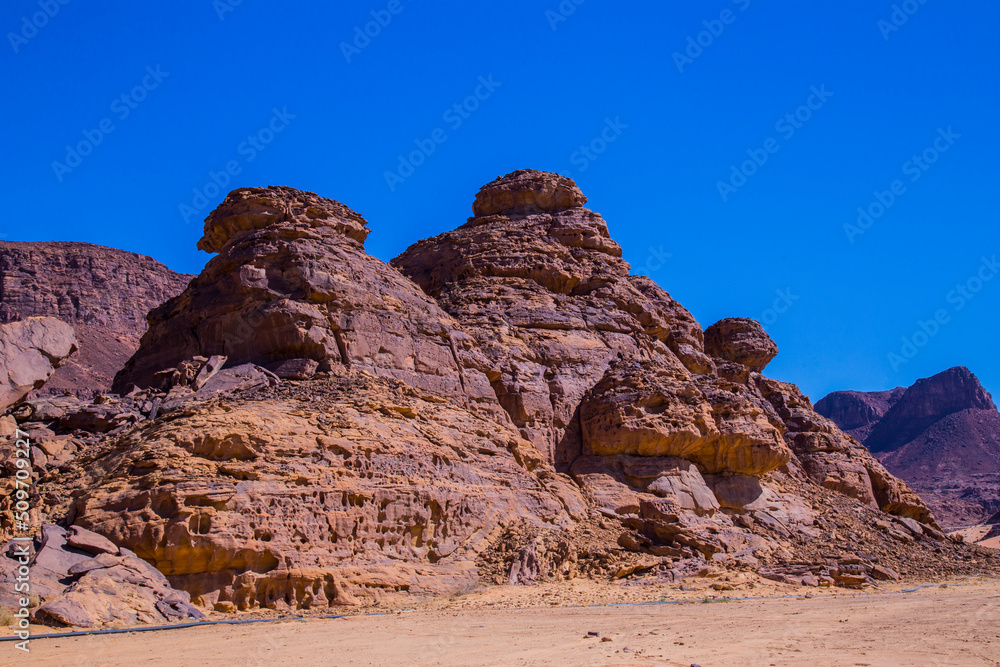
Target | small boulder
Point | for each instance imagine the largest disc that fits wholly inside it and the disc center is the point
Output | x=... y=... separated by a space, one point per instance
x=89 y=541
x=740 y=340
x=294 y=369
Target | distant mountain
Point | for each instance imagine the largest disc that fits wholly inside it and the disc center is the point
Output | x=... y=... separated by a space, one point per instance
x=103 y=293
x=942 y=436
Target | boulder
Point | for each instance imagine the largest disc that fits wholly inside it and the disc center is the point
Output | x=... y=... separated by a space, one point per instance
x=740 y=340
x=83 y=582
x=30 y=351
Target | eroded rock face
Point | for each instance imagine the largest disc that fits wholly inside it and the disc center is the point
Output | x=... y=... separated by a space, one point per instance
x=646 y=409
x=540 y=284
x=348 y=490
x=293 y=282
x=86 y=581
x=30 y=351
x=250 y=209
x=836 y=461
x=103 y=293
x=527 y=191
x=315 y=429
x=742 y=341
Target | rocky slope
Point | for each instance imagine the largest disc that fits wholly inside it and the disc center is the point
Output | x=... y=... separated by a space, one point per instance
x=103 y=293
x=306 y=426
x=942 y=435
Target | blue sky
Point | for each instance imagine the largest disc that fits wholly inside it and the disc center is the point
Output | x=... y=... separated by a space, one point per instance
x=687 y=96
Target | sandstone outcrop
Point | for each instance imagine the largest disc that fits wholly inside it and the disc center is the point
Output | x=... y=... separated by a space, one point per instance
x=942 y=435
x=305 y=426
x=349 y=488
x=30 y=351
x=648 y=409
x=87 y=581
x=292 y=282
x=537 y=280
x=103 y=293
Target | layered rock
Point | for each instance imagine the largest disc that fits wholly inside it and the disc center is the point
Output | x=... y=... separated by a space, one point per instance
x=344 y=490
x=596 y=364
x=292 y=282
x=942 y=435
x=305 y=426
x=103 y=293
x=540 y=284
x=87 y=581
x=647 y=408
x=30 y=352
x=836 y=461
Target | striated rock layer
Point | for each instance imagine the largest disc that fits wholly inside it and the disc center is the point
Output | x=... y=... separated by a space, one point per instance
x=306 y=426
x=540 y=284
x=536 y=278
x=942 y=435
x=103 y=293
x=292 y=281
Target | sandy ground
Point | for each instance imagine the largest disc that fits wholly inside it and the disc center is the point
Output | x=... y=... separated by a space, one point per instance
x=956 y=625
x=975 y=535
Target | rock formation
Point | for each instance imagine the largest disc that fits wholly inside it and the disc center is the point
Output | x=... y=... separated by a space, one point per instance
x=540 y=284
x=292 y=282
x=87 y=581
x=306 y=426
x=536 y=278
x=30 y=351
x=103 y=293
x=857 y=412
x=742 y=341
x=942 y=435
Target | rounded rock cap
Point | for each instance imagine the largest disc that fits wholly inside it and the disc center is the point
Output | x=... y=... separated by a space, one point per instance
x=741 y=340
x=527 y=191
x=247 y=209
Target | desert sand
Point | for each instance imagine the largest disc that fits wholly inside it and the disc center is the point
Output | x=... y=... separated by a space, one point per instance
x=954 y=625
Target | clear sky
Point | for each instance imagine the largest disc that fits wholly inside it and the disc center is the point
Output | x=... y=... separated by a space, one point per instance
x=727 y=143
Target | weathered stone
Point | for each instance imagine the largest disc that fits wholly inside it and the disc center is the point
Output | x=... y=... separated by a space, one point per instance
x=294 y=369
x=30 y=351
x=740 y=340
x=89 y=541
